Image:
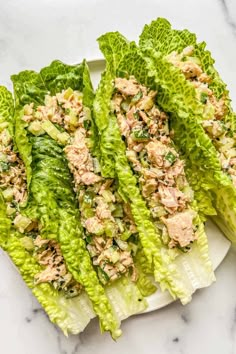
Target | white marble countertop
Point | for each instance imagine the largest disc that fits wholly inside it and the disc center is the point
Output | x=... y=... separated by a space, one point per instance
x=31 y=35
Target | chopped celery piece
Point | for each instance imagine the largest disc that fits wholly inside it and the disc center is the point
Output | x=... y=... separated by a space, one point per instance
x=63 y=138
x=3 y=125
x=194 y=60
x=107 y=195
x=73 y=118
x=125 y=105
x=10 y=210
x=4 y=166
x=54 y=133
x=27 y=243
x=120 y=225
x=110 y=229
x=87 y=212
x=126 y=234
x=8 y=194
x=3 y=157
x=6 y=137
x=68 y=93
x=22 y=222
x=87 y=113
x=96 y=165
x=118 y=212
x=35 y=128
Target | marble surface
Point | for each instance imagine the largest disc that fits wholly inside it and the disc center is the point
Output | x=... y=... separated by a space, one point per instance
x=31 y=35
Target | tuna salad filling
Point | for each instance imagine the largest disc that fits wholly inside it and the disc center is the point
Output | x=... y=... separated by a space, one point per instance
x=12 y=176
x=49 y=255
x=109 y=229
x=215 y=110
x=14 y=189
x=154 y=160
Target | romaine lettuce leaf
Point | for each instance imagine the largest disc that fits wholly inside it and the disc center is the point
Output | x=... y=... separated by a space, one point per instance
x=126 y=298
x=173 y=275
x=71 y=315
x=51 y=186
x=213 y=188
x=6 y=119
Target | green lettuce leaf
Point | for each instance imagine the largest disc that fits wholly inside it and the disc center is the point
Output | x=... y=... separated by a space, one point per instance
x=6 y=109
x=51 y=186
x=126 y=298
x=145 y=281
x=5 y=223
x=171 y=274
x=6 y=119
x=213 y=188
x=71 y=315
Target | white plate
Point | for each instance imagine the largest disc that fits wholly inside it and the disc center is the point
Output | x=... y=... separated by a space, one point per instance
x=218 y=244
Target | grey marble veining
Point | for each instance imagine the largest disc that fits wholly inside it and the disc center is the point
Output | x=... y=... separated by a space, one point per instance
x=31 y=35
x=229 y=11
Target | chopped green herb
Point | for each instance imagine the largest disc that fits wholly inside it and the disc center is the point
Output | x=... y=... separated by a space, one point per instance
x=137 y=97
x=203 y=97
x=4 y=166
x=223 y=126
x=103 y=276
x=134 y=239
x=88 y=199
x=170 y=157
x=87 y=124
x=136 y=115
x=88 y=238
x=140 y=135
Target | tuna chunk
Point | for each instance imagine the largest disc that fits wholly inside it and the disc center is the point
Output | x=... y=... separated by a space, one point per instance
x=94 y=225
x=89 y=178
x=156 y=152
x=127 y=87
x=171 y=197
x=180 y=227
x=190 y=69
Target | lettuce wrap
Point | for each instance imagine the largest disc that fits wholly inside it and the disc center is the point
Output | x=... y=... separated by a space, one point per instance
x=19 y=239
x=191 y=89
x=57 y=141
x=179 y=266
